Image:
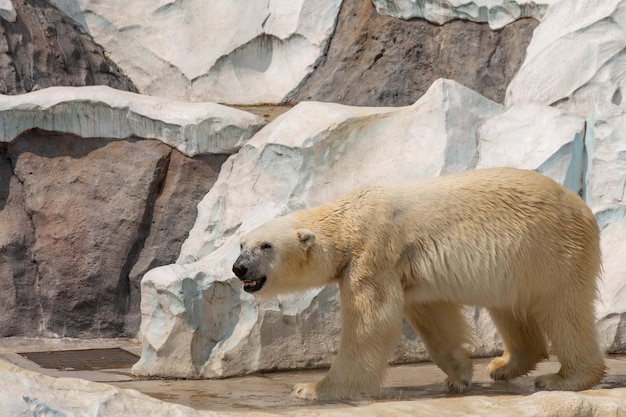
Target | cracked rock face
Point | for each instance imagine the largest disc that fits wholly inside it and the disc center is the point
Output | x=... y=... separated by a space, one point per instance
x=20 y=312
x=85 y=219
x=43 y=47
x=376 y=60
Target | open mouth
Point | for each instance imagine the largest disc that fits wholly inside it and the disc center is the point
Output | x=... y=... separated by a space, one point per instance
x=253 y=285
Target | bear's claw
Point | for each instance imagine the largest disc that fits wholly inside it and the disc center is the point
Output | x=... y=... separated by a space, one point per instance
x=305 y=391
x=457 y=388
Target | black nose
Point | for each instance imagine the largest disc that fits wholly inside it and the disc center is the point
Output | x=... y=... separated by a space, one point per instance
x=240 y=270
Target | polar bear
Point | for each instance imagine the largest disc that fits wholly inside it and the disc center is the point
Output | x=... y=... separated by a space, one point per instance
x=512 y=241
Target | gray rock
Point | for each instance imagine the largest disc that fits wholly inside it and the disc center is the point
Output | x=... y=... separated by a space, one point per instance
x=19 y=300
x=81 y=221
x=173 y=215
x=43 y=47
x=376 y=60
x=88 y=202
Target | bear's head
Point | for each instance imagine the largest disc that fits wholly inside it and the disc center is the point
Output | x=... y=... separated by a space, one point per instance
x=280 y=257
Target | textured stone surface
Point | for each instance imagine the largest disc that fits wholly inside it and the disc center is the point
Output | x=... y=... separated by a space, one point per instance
x=85 y=218
x=196 y=321
x=252 y=51
x=19 y=302
x=42 y=47
x=498 y=13
x=25 y=393
x=605 y=192
x=173 y=215
x=99 y=111
x=376 y=60
x=576 y=57
x=81 y=254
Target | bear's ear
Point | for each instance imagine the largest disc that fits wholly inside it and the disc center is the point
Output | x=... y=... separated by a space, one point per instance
x=306 y=238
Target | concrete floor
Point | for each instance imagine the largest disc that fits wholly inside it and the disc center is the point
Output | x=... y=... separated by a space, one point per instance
x=270 y=392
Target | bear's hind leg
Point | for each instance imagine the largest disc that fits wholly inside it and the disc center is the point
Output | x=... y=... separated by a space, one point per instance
x=444 y=331
x=571 y=328
x=524 y=345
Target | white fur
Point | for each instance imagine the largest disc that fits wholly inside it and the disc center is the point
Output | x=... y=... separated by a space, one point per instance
x=512 y=241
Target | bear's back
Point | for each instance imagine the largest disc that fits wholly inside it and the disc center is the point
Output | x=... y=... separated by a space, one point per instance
x=506 y=229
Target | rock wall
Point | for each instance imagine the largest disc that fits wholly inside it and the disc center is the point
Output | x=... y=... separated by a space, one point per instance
x=86 y=219
x=43 y=47
x=376 y=60
x=337 y=51
x=92 y=196
x=241 y=57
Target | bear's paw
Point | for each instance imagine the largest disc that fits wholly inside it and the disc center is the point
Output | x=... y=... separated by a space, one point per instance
x=305 y=391
x=457 y=386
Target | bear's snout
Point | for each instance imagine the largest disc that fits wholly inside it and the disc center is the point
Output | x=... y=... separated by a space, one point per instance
x=239 y=269
x=250 y=277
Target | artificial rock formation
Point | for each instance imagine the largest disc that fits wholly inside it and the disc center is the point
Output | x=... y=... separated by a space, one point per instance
x=498 y=13
x=99 y=111
x=336 y=51
x=89 y=200
x=587 y=37
x=71 y=186
x=374 y=60
x=572 y=130
x=209 y=328
x=42 y=47
x=242 y=57
x=86 y=218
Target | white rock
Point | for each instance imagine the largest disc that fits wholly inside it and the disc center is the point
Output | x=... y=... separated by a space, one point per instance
x=7 y=11
x=605 y=193
x=25 y=393
x=318 y=151
x=576 y=57
x=498 y=13
x=196 y=321
x=524 y=137
x=192 y=128
x=606 y=148
x=235 y=51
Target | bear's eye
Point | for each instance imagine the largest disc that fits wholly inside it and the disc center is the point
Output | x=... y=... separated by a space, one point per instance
x=266 y=246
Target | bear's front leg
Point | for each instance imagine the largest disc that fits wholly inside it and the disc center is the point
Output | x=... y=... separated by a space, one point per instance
x=371 y=313
x=347 y=379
